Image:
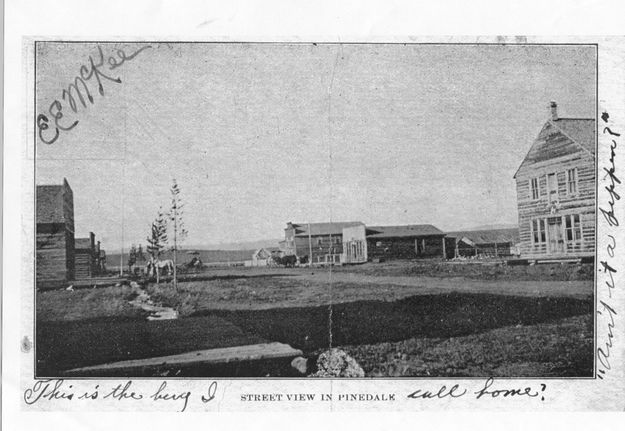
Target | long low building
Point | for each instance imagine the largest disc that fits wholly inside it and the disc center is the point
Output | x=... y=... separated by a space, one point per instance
x=353 y=242
x=405 y=242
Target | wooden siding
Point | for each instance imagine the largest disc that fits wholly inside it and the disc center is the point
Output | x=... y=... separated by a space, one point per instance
x=84 y=264
x=322 y=245
x=581 y=203
x=55 y=255
x=55 y=236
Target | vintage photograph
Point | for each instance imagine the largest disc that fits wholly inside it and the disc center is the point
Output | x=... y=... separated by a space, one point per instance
x=314 y=210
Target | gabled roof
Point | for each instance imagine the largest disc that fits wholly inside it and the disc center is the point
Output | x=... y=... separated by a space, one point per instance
x=335 y=228
x=580 y=130
x=489 y=236
x=262 y=253
x=402 y=231
x=562 y=137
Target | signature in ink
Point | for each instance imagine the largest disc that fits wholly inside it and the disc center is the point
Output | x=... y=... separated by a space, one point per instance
x=78 y=92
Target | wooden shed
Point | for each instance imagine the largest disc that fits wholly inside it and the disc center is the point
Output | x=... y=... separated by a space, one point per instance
x=55 y=235
x=556 y=190
x=86 y=257
x=485 y=243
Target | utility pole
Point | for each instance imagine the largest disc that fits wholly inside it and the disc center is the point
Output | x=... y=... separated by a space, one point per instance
x=121 y=256
x=175 y=247
x=309 y=246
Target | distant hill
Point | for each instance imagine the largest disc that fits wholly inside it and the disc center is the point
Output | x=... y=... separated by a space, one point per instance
x=492 y=227
x=245 y=245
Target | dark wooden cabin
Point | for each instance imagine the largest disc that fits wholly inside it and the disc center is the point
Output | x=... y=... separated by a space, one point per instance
x=556 y=191
x=55 y=235
x=405 y=242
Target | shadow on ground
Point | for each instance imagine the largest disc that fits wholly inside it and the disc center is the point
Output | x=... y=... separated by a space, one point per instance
x=62 y=345
x=424 y=316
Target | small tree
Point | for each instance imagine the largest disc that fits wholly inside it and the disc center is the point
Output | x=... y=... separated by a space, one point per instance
x=132 y=258
x=157 y=241
x=175 y=217
x=140 y=256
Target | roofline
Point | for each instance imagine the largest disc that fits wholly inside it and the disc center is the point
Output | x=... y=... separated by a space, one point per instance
x=552 y=122
x=381 y=235
x=528 y=151
x=569 y=136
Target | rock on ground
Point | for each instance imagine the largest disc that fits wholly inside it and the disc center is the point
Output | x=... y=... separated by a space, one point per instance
x=300 y=365
x=337 y=363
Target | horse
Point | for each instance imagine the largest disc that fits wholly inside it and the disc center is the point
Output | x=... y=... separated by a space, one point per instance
x=288 y=261
x=160 y=266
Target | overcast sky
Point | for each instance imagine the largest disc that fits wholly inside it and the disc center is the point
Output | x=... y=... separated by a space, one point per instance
x=261 y=134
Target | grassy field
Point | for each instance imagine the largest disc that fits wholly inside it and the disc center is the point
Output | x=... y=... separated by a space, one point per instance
x=479 y=270
x=393 y=323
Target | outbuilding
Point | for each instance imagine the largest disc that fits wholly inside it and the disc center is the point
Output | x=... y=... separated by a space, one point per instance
x=482 y=243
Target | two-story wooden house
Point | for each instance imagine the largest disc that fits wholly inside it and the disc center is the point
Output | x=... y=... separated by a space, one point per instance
x=556 y=187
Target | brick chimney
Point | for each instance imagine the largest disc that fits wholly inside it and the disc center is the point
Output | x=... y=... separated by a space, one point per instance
x=554 y=110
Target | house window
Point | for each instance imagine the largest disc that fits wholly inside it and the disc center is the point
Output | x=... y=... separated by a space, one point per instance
x=534 y=188
x=571 y=181
x=538 y=232
x=573 y=228
x=552 y=187
x=319 y=241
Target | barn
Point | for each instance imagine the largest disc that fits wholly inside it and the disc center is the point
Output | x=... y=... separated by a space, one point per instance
x=55 y=235
x=405 y=242
x=493 y=243
x=555 y=186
